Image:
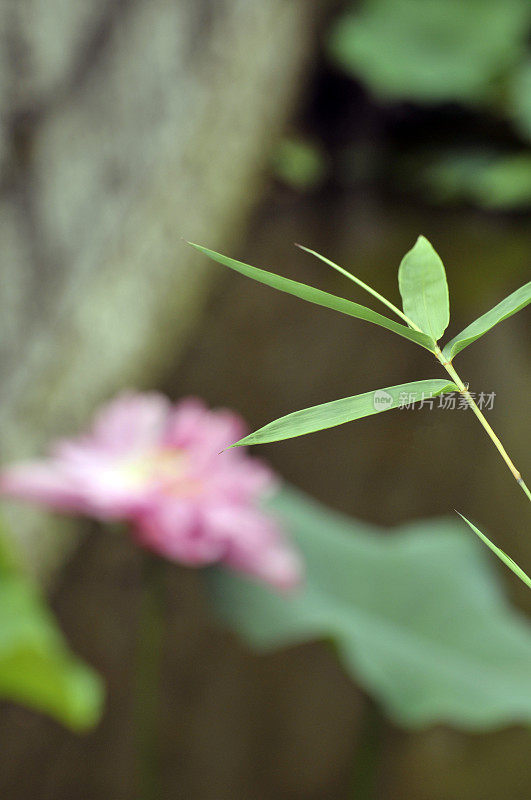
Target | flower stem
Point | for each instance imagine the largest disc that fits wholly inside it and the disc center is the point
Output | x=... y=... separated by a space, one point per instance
x=477 y=411
x=147 y=697
x=365 y=778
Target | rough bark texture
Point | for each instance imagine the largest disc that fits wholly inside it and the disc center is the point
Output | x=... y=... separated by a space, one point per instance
x=127 y=124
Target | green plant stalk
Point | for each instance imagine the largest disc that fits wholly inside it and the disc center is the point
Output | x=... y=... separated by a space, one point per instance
x=446 y=364
x=148 y=663
x=477 y=411
x=366 y=774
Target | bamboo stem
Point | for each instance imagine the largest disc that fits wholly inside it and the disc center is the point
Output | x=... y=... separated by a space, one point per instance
x=477 y=411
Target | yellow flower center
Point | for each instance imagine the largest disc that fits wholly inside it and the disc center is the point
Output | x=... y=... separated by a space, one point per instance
x=166 y=468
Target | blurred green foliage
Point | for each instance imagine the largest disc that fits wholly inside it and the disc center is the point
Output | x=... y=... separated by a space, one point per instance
x=299 y=163
x=469 y=52
x=487 y=179
x=36 y=667
x=432 y=50
x=417 y=616
x=519 y=98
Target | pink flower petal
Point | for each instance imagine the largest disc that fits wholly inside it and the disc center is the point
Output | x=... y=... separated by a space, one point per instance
x=175 y=530
x=240 y=479
x=132 y=422
x=255 y=545
x=192 y=425
x=36 y=481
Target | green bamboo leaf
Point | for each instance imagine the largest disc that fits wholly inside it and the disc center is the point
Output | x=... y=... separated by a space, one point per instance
x=424 y=290
x=416 y=615
x=507 y=560
x=337 y=412
x=318 y=297
x=515 y=302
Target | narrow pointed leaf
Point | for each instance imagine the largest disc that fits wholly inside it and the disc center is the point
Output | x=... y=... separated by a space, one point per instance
x=337 y=412
x=355 y=280
x=424 y=290
x=515 y=302
x=318 y=297
x=507 y=560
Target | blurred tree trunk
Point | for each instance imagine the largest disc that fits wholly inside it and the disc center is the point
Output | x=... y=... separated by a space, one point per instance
x=127 y=124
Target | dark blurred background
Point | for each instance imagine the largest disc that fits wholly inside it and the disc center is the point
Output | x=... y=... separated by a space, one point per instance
x=348 y=127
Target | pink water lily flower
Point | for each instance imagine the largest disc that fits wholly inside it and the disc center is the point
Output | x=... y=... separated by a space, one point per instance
x=159 y=466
